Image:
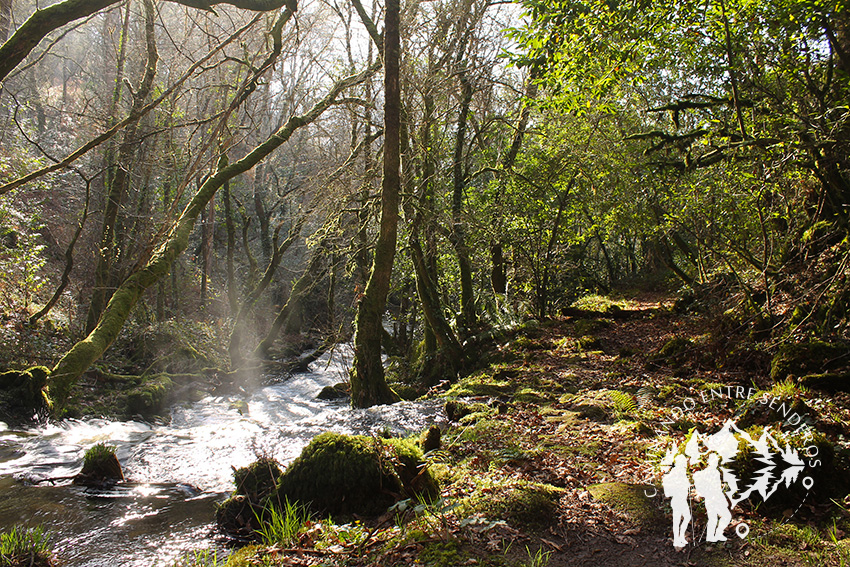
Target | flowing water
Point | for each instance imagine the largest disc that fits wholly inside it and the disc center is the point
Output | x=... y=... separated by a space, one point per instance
x=175 y=472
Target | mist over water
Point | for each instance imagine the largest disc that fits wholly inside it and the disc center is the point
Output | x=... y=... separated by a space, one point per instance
x=175 y=472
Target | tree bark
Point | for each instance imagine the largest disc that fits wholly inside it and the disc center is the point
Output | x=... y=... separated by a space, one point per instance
x=87 y=351
x=368 y=385
x=118 y=173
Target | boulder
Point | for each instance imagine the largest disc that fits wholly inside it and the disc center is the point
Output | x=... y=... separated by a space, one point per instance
x=352 y=474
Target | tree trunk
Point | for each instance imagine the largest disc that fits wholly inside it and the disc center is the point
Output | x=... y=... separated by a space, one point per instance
x=447 y=359
x=458 y=237
x=118 y=177
x=368 y=385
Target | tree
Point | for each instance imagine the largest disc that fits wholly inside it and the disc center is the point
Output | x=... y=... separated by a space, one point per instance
x=368 y=385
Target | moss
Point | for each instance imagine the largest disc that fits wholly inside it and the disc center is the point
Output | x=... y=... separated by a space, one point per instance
x=442 y=554
x=828 y=381
x=584 y=327
x=257 y=480
x=457 y=410
x=588 y=343
x=148 y=398
x=674 y=352
x=429 y=440
x=406 y=391
x=335 y=392
x=812 y=357
x=238 y=516
x=483 y=384
x=352 y=474
x=247 y=556
x=531 y=396
x=631 y=500
x=100 y=467
x=24 y=393
x=530 y=504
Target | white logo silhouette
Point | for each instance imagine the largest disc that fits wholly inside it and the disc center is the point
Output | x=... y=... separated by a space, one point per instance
x=716 y=484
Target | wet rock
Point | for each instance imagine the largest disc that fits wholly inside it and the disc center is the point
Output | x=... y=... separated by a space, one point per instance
x=237 y=516
x=257 y=480
x=100 y=468
x=352 y=474
x=335 y=392
x=148 y=398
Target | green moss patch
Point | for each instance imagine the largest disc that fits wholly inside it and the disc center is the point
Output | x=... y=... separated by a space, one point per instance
x=257 y=480
x=630 y=499
x=528 y=504
x=149 y=397
x=353 y=474
x=482 y=384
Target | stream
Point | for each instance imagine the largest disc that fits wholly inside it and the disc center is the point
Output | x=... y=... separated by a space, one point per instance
x=176 y=472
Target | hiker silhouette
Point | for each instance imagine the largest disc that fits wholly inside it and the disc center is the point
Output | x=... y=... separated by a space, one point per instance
x=708 y=484
x=676 y=487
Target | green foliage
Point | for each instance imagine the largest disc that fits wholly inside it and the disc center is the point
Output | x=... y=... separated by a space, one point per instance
x=20 y=547
x=280 y=524
x=98 y=454
x=21 y=256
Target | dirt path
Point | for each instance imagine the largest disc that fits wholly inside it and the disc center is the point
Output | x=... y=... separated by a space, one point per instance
x=576 y=405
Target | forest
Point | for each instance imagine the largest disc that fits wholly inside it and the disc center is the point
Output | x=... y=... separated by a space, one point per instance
x=485 y=282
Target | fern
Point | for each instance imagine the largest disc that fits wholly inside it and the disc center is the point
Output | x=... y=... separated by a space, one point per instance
x=622 y=403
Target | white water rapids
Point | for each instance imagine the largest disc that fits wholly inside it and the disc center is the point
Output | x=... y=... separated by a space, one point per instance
x=176 y=472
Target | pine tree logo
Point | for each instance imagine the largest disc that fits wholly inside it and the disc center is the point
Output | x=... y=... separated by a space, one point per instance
x=703 y=467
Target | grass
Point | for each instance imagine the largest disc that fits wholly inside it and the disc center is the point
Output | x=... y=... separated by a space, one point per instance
x=283 y=524
x=24 y=546
x=98 y=454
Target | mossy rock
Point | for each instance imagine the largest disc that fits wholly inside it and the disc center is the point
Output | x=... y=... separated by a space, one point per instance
x=457 y=410
x=335 y=392
x=24 y=393
x=352 y=474
x=753 y=412
x=828 y=381
x=588 y=343
x=237 y=516
x=406 y=391
x=808 y=358
x=257 y=480
x=100 y=467
x=584 y=327
x=429 y=440
x=674 y=352
x=631 y=500
x=148 y=398
x=483 y=384
x=531 y=504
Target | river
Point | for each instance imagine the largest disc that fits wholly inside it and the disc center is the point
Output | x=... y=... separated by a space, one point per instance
x=176 y=471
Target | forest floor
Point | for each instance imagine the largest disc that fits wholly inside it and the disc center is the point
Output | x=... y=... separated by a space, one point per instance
x=554 y=445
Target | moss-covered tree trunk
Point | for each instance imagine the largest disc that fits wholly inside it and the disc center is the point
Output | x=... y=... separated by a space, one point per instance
x=445 y=361
x=368 y=385
x=118 y=170
x=87 y=351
